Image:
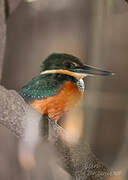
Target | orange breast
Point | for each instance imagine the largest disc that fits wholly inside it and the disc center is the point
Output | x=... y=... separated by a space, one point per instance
x=56 y=106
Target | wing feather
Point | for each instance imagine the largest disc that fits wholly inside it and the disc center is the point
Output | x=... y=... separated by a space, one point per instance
x=40 y=87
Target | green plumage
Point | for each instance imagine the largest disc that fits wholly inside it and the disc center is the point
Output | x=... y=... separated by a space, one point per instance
x=71 y=63
x=58 y=61
x=44 y=85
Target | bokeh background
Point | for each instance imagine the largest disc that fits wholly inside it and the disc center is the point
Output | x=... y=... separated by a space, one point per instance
x=97 y=33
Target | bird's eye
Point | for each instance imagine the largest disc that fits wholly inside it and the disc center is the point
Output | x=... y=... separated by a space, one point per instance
x=68 y=64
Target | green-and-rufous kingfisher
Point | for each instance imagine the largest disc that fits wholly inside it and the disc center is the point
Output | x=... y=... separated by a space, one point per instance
x=59 y=86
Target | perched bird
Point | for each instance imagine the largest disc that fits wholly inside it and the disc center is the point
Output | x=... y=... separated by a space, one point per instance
x=59 y=86
x=54 y=92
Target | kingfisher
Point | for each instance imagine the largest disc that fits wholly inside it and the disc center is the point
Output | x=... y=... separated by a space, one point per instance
x=54 y=93
x=59 y=87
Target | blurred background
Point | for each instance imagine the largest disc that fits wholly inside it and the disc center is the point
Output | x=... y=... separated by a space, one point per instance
x=97 y=33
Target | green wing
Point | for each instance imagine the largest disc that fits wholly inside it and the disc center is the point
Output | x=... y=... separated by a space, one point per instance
x=41 y=86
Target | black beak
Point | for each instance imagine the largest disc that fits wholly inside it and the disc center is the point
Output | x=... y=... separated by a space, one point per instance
x=92 y=71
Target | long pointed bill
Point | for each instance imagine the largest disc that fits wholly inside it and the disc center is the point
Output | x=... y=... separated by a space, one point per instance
x=92 y=71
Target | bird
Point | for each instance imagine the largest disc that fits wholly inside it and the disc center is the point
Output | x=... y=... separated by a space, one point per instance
x=56 y=91
x=59 y=86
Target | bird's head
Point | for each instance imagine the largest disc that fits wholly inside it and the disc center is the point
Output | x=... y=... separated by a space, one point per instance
x=71 y=65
